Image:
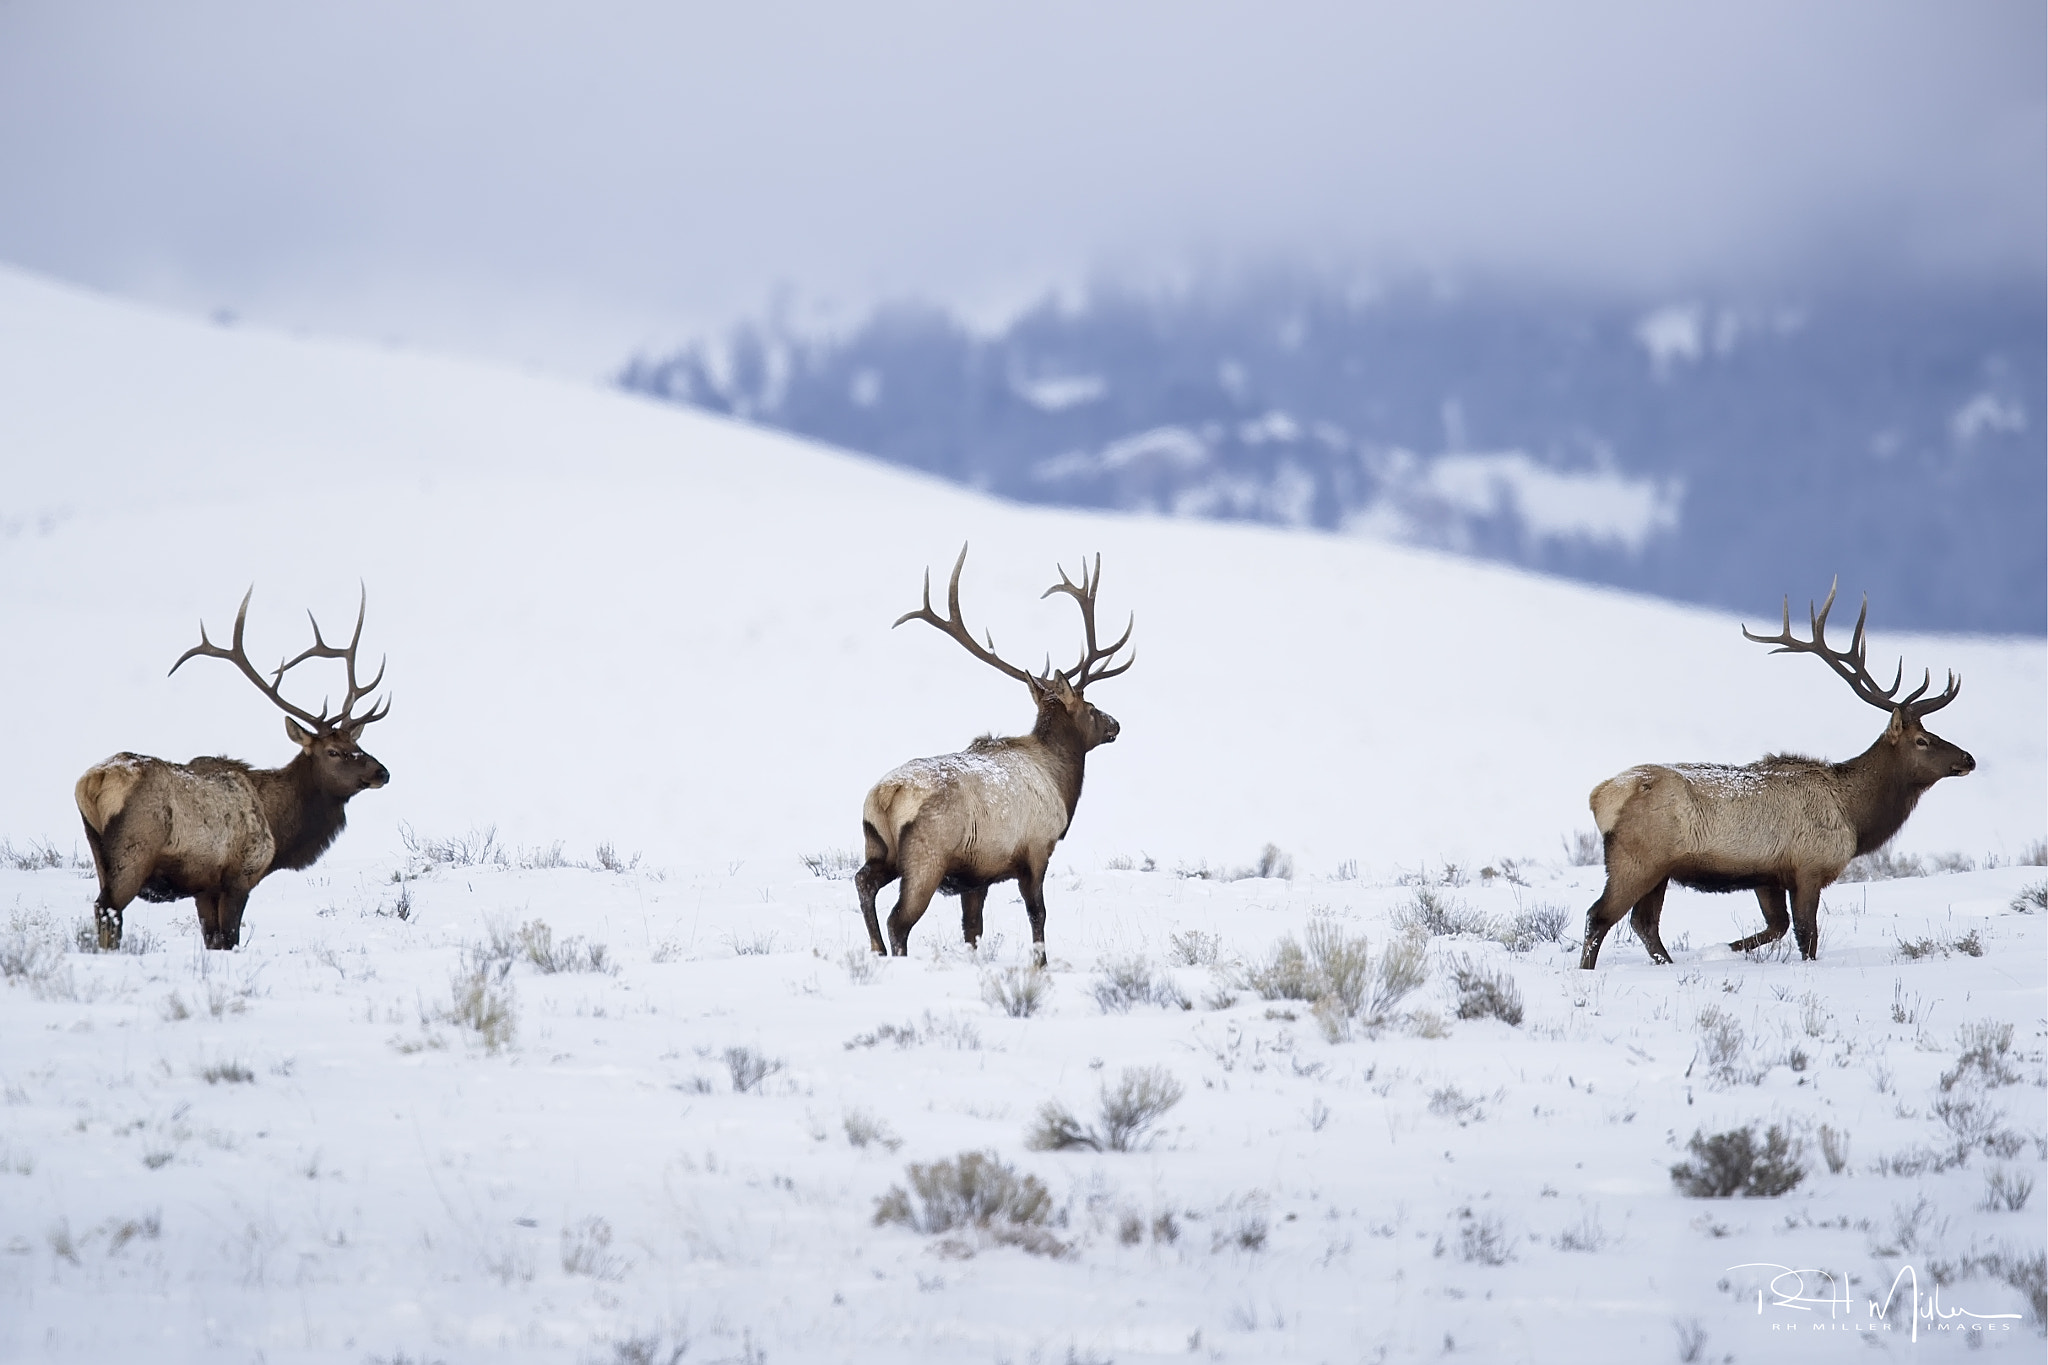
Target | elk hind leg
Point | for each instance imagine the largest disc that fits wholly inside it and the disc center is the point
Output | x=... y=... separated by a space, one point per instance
x=121 y=879
x=1617 y=898
x=1776 y=920
x=876 y=873
x=921 y=878
x=1644 y=919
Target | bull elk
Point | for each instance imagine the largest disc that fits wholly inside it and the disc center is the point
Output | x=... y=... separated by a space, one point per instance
x=1782 y=826
x=213 y=828
x=959 y=823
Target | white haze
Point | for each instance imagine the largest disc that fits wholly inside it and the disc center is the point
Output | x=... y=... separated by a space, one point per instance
x=560 y=184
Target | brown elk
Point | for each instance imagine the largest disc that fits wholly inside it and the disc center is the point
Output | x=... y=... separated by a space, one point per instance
x=962 y=822
x=213 y=828
x=1782 y=826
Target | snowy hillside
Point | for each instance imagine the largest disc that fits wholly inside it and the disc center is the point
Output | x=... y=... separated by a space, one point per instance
x=610 y=619
x=465 y=1101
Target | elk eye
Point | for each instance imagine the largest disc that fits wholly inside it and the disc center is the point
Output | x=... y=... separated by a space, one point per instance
x=1921 y=741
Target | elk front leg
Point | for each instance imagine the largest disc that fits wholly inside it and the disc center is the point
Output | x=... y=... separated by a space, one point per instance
x=208 y=905
x=1806 y=916
x=1644 y=919
x=1776 y=920
x=232 y=903
x=971 y=899
x=1031 y=881
x=869 y=881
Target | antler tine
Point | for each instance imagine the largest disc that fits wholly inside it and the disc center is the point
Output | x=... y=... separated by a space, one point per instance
x=320 y=649
x=1086 y=672
x=1851 y=665
x=239 y=657
x=955 y=625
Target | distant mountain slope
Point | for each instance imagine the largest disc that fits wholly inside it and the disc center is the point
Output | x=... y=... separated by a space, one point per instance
x=1721 y=453
x=614 y=619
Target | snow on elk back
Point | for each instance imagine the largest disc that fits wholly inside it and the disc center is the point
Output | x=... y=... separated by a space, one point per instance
x=962 y=822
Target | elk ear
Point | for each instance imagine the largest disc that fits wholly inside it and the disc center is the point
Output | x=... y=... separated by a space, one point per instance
x=1897 y=728
x=297 y=734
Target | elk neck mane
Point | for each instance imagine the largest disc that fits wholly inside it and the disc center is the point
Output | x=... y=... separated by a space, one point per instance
x=304 y=817
x=1052 y=746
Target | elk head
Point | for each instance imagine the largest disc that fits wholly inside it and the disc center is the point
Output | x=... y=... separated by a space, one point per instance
x=1922 y=757
x=1058 y=694
x=330 y=745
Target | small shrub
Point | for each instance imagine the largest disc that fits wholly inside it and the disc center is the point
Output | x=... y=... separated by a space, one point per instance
x=537 y=944
x=1127 y=981
x=1286 y=975
x=1726 y=1049
x=481 y=1000
x=833 y=864
x=1449 y=1102
x=1016 y=991
x=1273 y=863
x=610 y=860
x=1692 y=1341
x=974 y=1192
x=586 y=1250
x=864 y=1129
x=1883 y=866
x=2006 y=1191
x=664 y=1345
x=749 y=1068
x=1834 y=1148
x=226 y=1071
x=859 y=962
x=1486 y=994
x=2031 y=899
x=1585 y=1235
x=1434 y=915
x=1733 y=1163
x=1128 y=1111
x=1537 y=925
x=1484 y=1241
x=477 y=848
x=39 y=855
x=1583 y=848
x=1193 y=948
x=949 y=1032
x=1986 y=1056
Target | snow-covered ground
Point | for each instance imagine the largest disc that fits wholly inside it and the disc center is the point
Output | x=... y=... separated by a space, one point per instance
x=616 y=623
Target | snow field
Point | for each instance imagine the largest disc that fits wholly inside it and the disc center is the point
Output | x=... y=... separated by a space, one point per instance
x=295 y=1151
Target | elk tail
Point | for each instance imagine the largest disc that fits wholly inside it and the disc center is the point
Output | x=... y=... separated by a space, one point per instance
x=1610 y=796
x=103 y=791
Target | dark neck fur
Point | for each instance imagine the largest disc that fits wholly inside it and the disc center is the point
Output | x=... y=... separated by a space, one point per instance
x=1065 y=753
x=304 y=818
x=1880 y=797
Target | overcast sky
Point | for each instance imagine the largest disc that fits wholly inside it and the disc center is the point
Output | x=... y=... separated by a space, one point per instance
x=563 y=182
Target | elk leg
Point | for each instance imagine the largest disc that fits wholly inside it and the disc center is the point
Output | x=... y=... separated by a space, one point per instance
x=1031 y=881
x=1644 y=919
x=1604 y=914
x=208 y=904
x=1776 y=920
x=1806 y=917
x=876 y=874
x=231 y=905
x=919 y=886
x=116 y=890
x=971 y=899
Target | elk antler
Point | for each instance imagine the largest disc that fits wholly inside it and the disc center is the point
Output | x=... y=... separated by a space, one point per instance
x=239 y=657
x=1849 y=664
x=1086 y=671
x=955 y=625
